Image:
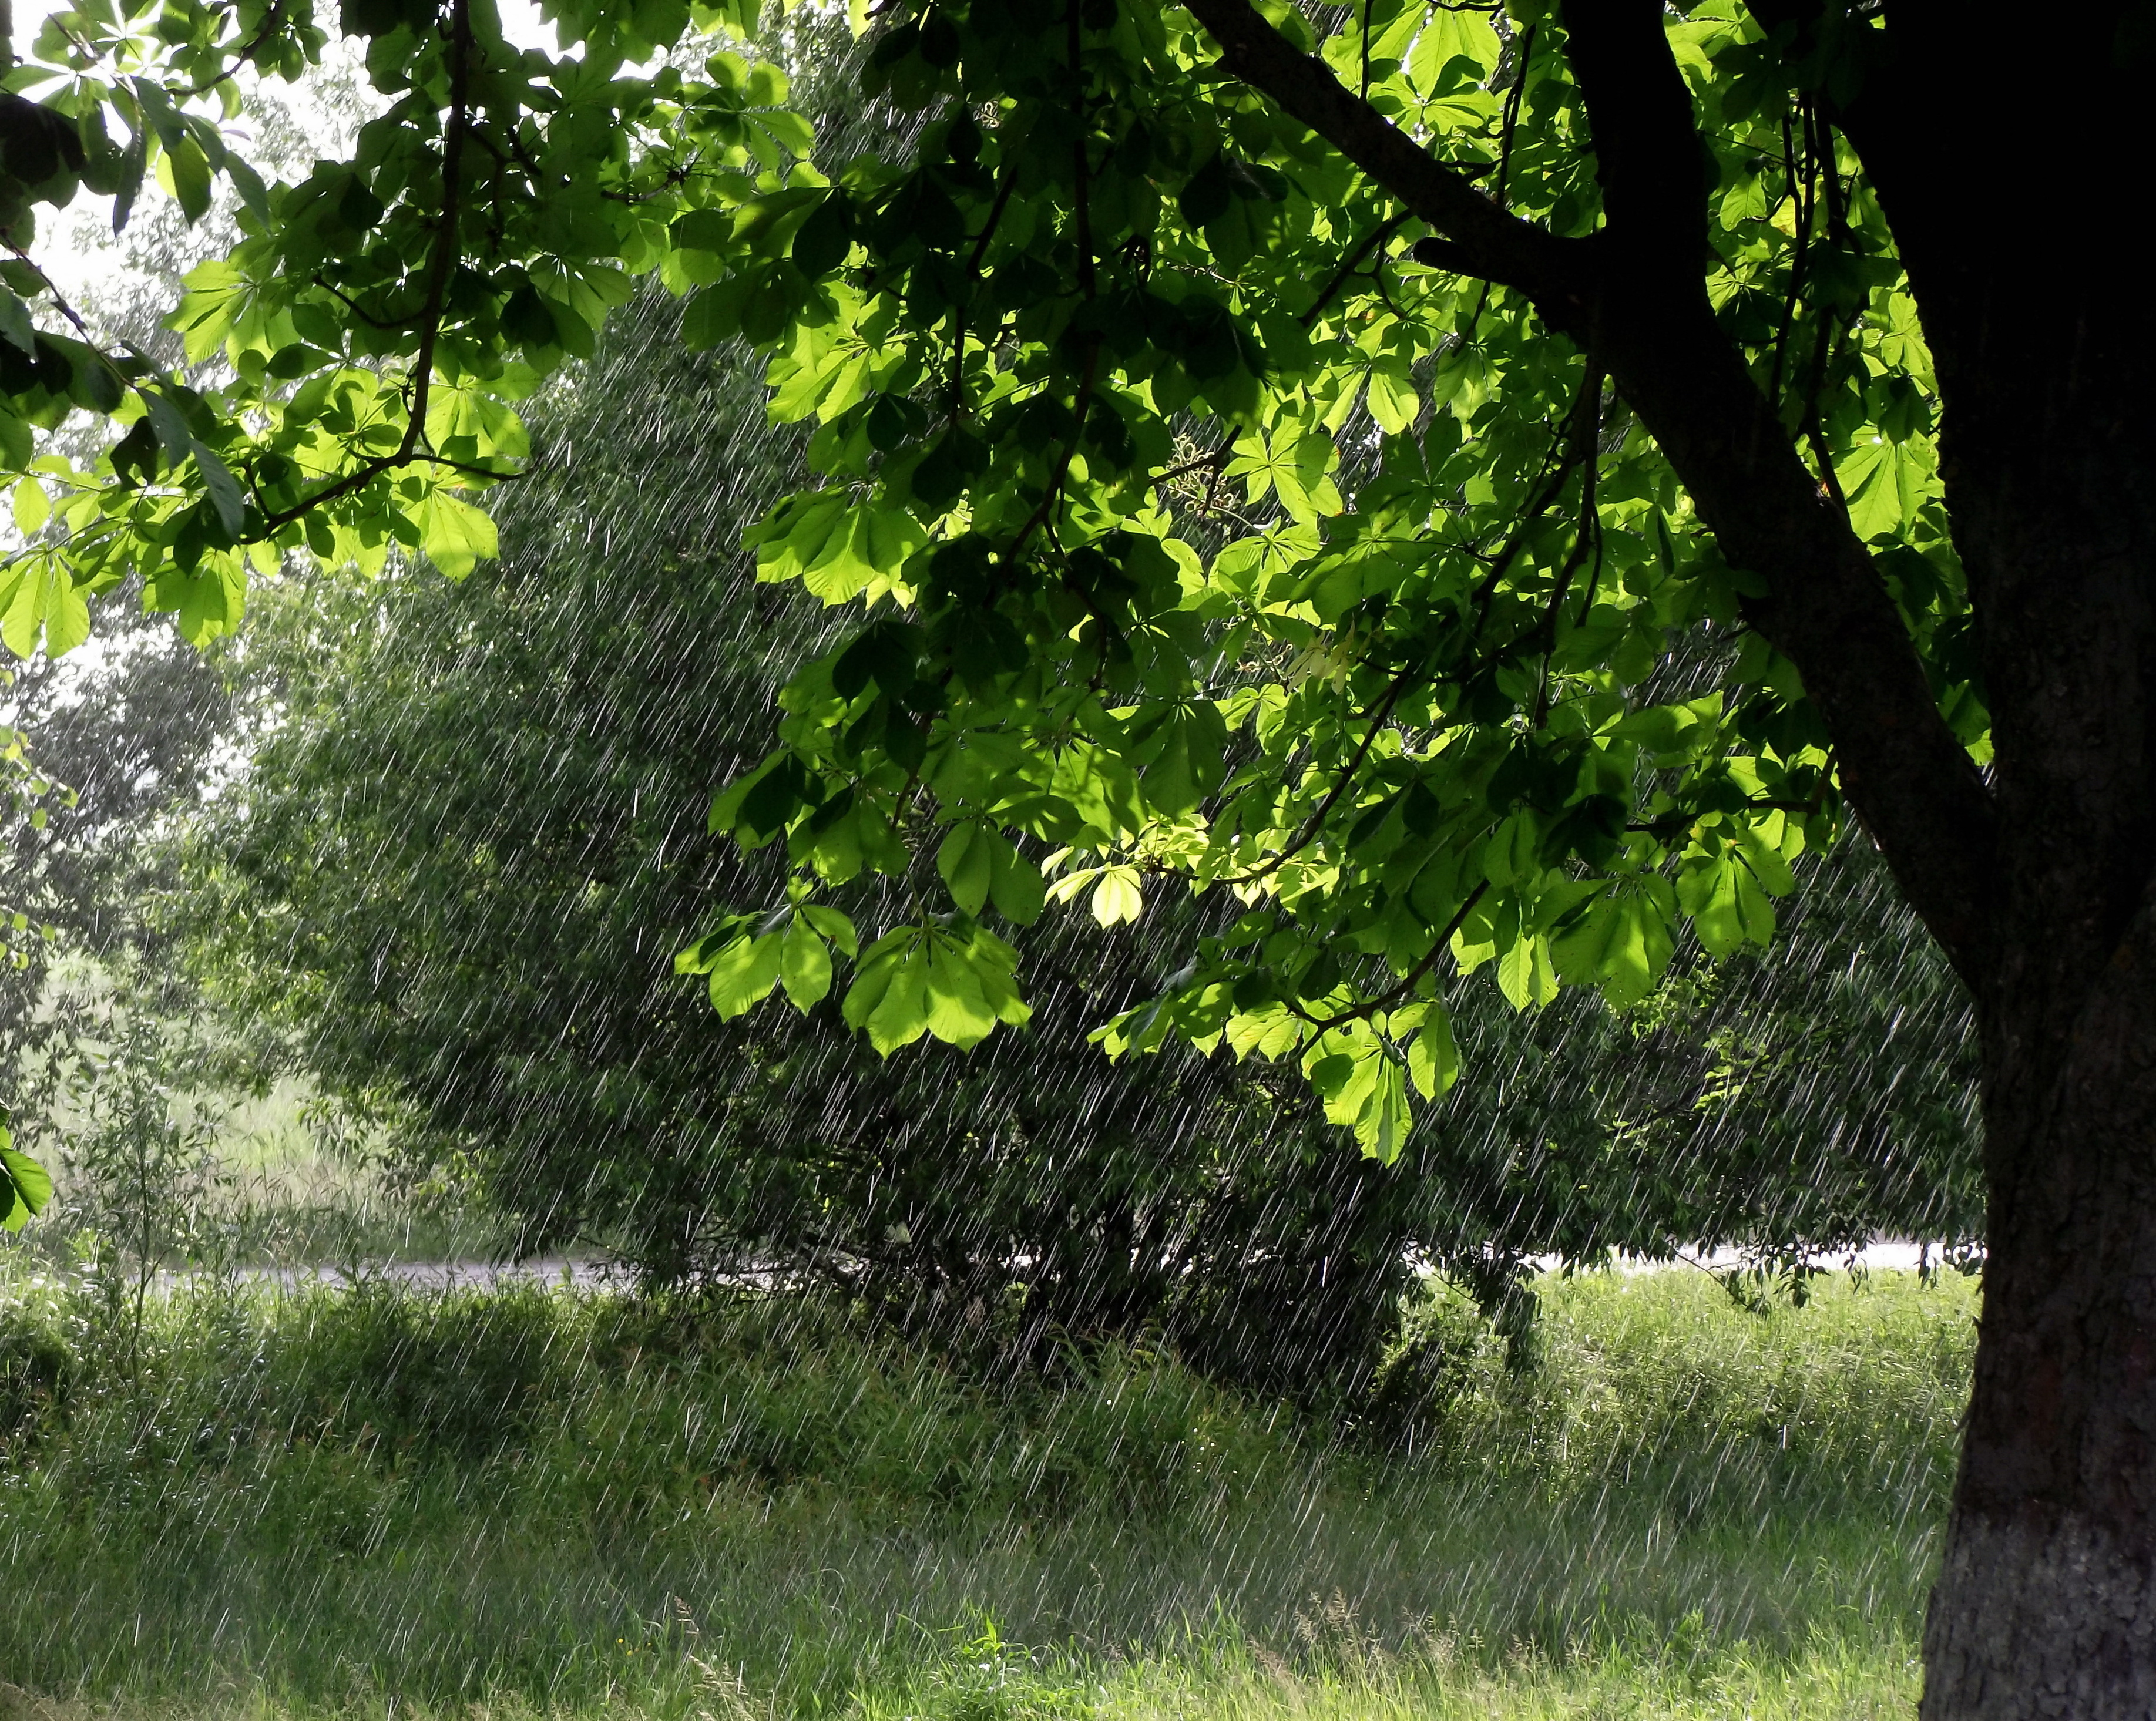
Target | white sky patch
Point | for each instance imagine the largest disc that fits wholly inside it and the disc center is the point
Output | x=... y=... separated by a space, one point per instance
x=75 y=246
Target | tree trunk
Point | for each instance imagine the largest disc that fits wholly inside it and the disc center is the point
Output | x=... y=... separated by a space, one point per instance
x=2045 y=1604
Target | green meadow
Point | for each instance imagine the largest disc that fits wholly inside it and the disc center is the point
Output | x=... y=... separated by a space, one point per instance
x=528 y=1501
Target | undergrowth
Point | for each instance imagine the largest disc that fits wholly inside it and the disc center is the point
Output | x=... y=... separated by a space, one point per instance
x=320 y=1501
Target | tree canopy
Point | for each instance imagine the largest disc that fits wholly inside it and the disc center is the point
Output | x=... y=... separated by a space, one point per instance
x=1237 y=536
x=470 y=835
x=1210 y=522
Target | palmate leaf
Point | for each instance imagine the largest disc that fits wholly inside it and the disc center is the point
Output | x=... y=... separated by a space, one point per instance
x=1230 y=536
x=40 y=602
x=1622 y=943
x=455 y=536
x=1390 y=394
x=1727 y=904
x=1118 y=896
x=959 y=1013
x=25 y=1187
x=744 y=973
x=1886 y=483
x=1451 y=35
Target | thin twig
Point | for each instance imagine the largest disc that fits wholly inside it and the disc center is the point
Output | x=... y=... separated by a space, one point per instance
x=441 y=265
x=1376 y=236
x=1806 y=193
x=959 y=406
x=1587 y=430
x=271 y=21
x=1316 y=822
x=365 y=315
x=1565 y=453
x=1408 y=981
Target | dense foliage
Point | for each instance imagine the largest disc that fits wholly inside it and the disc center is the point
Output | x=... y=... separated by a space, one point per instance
x=1419 y=715
x=468 y=841
x=1409 y=697
x=1700 y=1118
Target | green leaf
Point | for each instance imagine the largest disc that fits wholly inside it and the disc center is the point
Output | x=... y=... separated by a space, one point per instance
x=24 y=1184
x=15 y=326
x=1433 y=1059
x=1381 y=1126
x=252 y=193
x=1190 y=760
x=804 y=966
x=959 y=1013
x=899 y=1012
x=834 y=926
x=1622 y=944
x=223 y=491
x=704 y=230
x=1524 y=972
x=1726 y=893
x=1391 y=397
x=32 y=507
x=822 y=241
x=1447 y=36
x=18 y=445
x=745 y=972
x=1015 y=885
x=967 y=862
x=1885 y=482
x=455 y=536
x=47 y=602
x=1116 y=896
x=184 y=171
x=170 y=425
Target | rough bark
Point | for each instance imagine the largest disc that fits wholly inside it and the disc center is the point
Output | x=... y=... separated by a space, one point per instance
x=2045 y=1603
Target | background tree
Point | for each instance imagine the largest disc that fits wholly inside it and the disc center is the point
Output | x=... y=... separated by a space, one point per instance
x=467 y=840
x=1686 y=393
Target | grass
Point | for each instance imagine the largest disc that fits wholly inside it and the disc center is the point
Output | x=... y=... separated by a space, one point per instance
x=527 y=1502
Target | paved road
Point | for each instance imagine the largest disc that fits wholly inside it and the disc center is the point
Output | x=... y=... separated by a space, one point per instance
x=589 y=1274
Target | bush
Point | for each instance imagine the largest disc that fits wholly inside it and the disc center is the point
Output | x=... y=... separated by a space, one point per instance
x=36 y=1362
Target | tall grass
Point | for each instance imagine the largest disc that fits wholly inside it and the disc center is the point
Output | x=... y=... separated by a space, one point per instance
x=315 y=1503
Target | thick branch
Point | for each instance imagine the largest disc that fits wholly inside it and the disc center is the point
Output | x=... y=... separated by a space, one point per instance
x=1635 y=298
x=1497 y=246
x=1826 y=608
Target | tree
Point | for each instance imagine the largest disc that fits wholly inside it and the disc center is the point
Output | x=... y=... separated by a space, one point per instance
x=467 y=838
x=1710 y=385
x=1573 y=376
